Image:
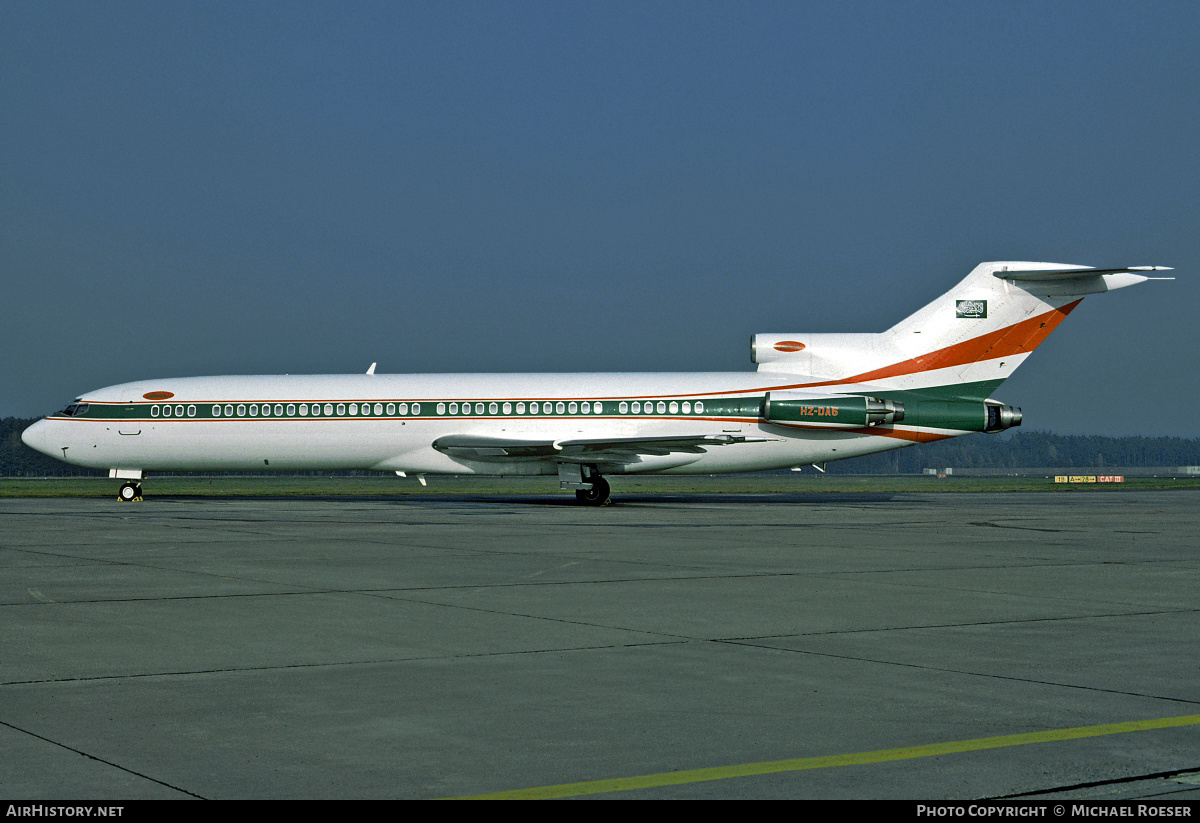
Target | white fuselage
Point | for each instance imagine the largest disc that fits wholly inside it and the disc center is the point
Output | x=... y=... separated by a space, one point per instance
x=389 y=422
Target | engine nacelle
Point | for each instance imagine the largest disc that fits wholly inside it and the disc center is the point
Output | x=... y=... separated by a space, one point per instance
x=858 y=412
x=960 y=414
x=847 y=411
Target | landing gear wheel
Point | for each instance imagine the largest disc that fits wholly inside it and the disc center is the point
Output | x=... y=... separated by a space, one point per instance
x=597 y=495
x=130 y=493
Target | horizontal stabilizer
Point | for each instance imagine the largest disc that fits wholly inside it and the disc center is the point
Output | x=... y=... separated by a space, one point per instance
x=1069 y=274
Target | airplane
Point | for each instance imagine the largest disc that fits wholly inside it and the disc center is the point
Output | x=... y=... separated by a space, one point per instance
x=814 y=398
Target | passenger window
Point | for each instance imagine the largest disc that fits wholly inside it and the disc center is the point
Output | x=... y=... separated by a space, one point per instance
x=662 y=407
x=266 y=409
x=597 y=408
x=441 y=408
x=404 y=408
x=520 y=408
x=699 y=407
x=560 y=407
x=354 y=408
x=228 y=410
x=623 y=408
x=416 y=408
x=493 y=408
x=508 y=408
x=586 y=408
x=254 y=410
x=454 y=408
x=341 y=409
x=154 y=411
x=216 y=411
x=191 y=411
x=547 y=408
x=533 y=408
x=179 y=411
x=379 y=408
x=687 y=407
x=674 y=407
x=637 y=407
x=241 y=410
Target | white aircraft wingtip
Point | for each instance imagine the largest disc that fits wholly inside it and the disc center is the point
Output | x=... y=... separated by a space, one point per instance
x=372 y=369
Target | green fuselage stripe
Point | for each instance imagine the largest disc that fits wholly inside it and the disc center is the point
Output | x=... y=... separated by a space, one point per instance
x=942 y=409
x=388 y=409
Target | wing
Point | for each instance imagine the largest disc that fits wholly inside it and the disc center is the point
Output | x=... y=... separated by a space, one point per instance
x=613 y=449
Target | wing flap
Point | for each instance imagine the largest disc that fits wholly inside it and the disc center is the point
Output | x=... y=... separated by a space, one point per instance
x=474 y=447
x=611 y=449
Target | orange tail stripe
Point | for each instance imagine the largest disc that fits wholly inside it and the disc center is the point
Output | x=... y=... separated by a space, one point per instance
x=1019 y=338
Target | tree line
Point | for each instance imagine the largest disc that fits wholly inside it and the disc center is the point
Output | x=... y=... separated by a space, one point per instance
x=1009 y=450
x=1032 y=449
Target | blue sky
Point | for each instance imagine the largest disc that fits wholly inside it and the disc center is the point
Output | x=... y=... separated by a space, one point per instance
x=212 y=188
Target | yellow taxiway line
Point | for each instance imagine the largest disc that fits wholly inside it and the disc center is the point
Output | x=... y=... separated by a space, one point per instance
x=650 y=781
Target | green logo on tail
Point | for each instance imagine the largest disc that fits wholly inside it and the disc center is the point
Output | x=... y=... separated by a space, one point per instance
x=974 y=309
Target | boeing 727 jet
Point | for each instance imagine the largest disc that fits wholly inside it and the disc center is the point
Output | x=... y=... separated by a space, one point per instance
x=814 y=398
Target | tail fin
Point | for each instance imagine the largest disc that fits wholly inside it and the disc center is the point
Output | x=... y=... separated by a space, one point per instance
x=972 y=337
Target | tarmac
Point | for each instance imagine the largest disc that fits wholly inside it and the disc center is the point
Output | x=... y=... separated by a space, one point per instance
x=900 y=646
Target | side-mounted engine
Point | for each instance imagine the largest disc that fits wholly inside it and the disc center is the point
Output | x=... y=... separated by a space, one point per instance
x=862 y=412
x=845 y=412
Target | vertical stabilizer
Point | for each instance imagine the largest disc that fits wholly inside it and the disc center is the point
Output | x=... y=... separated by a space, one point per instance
x=972 y=337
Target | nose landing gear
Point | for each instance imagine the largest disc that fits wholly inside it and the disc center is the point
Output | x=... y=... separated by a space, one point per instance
x=130 y=492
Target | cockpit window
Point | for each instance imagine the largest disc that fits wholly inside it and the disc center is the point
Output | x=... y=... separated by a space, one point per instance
x=74 y=410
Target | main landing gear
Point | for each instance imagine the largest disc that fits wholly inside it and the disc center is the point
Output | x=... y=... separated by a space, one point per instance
x=596 y=494
x=130 y=492
x=590 y=488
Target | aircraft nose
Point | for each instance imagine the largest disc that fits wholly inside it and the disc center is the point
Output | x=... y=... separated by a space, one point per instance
x=37 y=437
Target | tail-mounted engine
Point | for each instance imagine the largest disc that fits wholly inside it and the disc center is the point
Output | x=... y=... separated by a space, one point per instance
x=858 y=412
x=850 y=412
